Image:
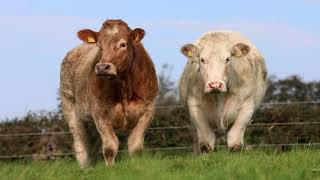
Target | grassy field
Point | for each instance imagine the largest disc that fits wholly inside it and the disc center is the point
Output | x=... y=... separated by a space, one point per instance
x=296 y=164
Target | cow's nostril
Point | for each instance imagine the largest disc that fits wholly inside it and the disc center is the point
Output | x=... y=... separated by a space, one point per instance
x=107 y=67
x=215 y=85
x=99 y=67
x=211 y=85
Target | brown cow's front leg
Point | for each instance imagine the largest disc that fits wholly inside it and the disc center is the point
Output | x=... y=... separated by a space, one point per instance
x=110 y=142
x=136 y=138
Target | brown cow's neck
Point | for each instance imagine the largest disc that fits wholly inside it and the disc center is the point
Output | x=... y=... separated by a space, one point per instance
x=142 y=74
x=126 y=87
x=118 y=88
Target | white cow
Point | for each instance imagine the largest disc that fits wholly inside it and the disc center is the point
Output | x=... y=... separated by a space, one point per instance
x=223 y=84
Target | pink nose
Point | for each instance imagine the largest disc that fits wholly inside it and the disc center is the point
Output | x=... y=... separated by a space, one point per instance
x=216 y=85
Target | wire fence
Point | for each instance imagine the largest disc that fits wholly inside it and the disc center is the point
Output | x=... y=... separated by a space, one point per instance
x=166 y=149
x=263 y=105
x=156 y=128
x=181 y=127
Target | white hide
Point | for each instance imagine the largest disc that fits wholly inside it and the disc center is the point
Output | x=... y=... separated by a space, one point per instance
x=245 y=80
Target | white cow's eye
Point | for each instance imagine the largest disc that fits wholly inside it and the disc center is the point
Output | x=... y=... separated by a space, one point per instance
x=202 y=60
x=227 y=60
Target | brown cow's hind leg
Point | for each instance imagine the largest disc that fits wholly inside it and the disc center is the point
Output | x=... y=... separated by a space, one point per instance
x=80 y=139
x=80 y=143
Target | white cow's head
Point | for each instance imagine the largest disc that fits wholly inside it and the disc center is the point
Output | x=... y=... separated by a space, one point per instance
x=215 y=63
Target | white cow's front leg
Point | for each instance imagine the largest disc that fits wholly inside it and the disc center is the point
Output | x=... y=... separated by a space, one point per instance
x=206 y=136
x=236 y=133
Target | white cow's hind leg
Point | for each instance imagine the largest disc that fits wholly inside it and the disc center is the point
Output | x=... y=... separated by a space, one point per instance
x=236 y=133
x=206 y=136
x=195 y=145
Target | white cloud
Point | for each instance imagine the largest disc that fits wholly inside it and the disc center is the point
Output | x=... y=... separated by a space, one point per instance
x=37 y=31
x=279 y=34
x=62 y=30
x=312 y=1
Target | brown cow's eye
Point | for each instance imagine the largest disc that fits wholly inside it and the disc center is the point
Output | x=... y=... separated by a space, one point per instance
x=227 y=60
x=202 y=60
x=123 y=45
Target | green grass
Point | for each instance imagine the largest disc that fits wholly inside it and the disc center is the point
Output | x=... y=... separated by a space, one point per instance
x=296 y=164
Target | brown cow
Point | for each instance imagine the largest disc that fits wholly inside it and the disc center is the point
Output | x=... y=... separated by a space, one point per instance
x=111 y=80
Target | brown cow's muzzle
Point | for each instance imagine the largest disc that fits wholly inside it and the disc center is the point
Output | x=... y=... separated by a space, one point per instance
x=106 y=70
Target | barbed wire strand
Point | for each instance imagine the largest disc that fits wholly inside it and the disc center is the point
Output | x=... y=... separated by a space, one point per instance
x=263 y=104
x=284 y=123
x=164 y=149
x=294 y=102
x=35 y=134
x=33 y=155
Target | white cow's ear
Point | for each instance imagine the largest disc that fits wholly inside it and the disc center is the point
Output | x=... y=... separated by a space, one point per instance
x=190 y=50
x=88 y=36
x=240 y=50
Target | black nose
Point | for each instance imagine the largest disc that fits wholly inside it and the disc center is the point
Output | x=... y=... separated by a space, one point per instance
x=102 y=67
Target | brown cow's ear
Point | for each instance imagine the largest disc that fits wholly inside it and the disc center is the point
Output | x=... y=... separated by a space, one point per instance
x=88 y=36
x=190 y=50
x=240 y=50
x=137 y=34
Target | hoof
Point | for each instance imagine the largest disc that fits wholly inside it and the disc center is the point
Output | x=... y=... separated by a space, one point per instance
x=109 y=156
x=235 y=148
x=205 y=148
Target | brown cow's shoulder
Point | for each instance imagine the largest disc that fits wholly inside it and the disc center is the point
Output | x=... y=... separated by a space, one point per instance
x=75 y=66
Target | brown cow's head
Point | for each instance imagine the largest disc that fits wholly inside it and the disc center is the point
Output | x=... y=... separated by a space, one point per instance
x=116 y=41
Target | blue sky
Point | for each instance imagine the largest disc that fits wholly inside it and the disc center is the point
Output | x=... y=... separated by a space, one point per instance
x=36 y=34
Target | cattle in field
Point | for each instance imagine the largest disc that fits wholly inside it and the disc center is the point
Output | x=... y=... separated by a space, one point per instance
x=110 y=80
x=223 y=83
